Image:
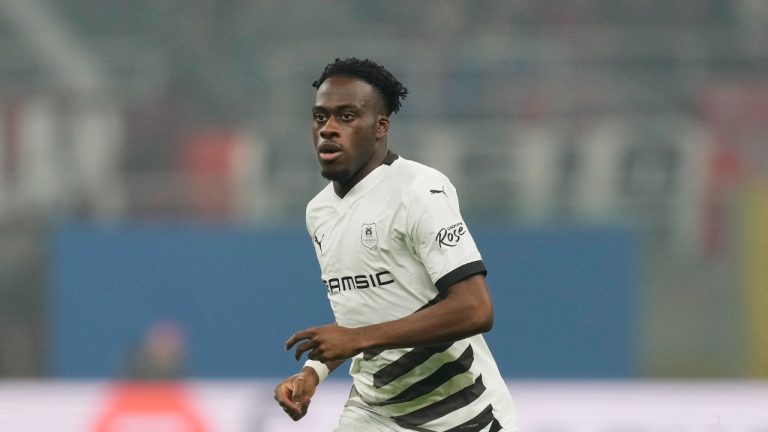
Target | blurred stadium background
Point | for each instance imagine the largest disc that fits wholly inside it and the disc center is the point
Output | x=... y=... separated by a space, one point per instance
x=155 y=161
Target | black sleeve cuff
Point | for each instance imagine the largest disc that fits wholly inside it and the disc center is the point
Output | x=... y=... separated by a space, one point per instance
x=462 y=272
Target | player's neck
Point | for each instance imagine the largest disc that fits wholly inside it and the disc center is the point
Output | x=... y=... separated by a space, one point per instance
x=342 y=188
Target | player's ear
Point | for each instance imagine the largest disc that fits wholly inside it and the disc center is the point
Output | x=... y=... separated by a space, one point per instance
x=382 y=126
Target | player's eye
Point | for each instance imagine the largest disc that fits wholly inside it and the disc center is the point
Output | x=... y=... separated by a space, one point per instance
x=347 y=116
x=319 y=117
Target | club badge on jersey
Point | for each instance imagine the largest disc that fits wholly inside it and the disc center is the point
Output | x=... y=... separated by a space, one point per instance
x=368 y=235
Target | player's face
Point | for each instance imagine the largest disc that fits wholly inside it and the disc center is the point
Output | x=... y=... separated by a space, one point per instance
x=348 y=127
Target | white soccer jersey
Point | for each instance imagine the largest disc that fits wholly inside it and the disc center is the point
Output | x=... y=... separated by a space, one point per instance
x=390 y=247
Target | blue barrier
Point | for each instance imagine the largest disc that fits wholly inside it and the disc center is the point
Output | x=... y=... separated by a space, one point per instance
x=565 y=301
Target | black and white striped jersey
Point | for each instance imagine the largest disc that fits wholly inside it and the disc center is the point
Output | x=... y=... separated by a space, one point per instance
x=390 y=247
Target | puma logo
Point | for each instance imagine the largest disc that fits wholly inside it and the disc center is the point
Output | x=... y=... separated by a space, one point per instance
x=320 y=242
x=437 y=191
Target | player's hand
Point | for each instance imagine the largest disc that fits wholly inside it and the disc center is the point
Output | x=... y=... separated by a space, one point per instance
x=295 y=393
x=326 y=343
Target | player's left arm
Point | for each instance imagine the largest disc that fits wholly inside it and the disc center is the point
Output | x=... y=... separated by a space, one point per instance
x=466 y=310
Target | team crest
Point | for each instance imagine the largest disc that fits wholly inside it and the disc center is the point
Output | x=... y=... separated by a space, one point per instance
x=369 y=237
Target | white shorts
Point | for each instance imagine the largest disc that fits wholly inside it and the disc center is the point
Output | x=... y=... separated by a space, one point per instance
x=356 y=419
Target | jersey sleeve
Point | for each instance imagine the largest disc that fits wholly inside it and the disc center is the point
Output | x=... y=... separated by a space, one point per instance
x=438 y=233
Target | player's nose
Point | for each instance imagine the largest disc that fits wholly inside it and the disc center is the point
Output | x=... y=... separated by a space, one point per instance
x=330 y=129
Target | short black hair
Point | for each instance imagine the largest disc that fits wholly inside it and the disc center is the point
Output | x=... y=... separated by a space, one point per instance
x=392 y=90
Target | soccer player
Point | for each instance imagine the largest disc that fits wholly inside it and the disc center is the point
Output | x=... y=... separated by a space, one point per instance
x=403 y=275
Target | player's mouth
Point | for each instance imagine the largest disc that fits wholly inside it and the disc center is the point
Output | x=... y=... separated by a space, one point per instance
x=328 y=151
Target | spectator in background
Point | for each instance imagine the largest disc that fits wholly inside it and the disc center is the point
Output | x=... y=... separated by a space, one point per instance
x=161 y=353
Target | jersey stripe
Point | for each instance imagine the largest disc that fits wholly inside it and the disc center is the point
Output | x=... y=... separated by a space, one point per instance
x=436 y=379
x=459 y=273
x=443 y=407
x=478 y=422
x=369 y=354
x=495 y=426
x=406 y=363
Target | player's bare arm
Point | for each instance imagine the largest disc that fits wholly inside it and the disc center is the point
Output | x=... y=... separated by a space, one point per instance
x=295 y=392
x=466 y=310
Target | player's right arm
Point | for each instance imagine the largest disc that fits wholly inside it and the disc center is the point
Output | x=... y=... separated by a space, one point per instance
x=295 y=392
